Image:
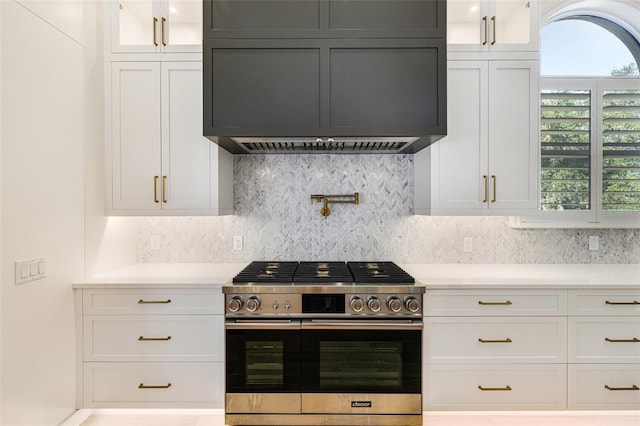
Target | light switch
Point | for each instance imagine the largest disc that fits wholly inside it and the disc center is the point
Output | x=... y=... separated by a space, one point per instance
x=30 y=270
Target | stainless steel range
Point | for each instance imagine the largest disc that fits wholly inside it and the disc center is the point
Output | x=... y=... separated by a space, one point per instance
x=323 y=343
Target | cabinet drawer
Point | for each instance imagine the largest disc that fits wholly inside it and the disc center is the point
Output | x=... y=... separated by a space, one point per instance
x=194 y=384
x=135 y=301
x=604 y=339
x=604 y=302
x=495 y=303
x=506 y=387
x=149 y=338
x=604 y=387
x=482 y=340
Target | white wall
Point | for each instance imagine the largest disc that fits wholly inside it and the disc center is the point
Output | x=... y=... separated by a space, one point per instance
x=41 y=204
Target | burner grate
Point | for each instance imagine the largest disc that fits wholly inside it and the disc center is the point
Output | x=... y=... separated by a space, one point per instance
x=379 y=273
x=267 y=272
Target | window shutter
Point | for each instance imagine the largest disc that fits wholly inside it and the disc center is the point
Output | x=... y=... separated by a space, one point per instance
x=621 y=150
x=565 y=149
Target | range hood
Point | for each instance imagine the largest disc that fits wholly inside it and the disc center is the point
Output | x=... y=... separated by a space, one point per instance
x=352 y=145
x=348 y=76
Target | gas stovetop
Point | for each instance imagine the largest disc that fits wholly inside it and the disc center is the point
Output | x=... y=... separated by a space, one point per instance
x=343 y=289
x=322 y=273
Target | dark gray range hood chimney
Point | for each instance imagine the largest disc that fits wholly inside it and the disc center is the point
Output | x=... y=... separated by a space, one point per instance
x=317 y=76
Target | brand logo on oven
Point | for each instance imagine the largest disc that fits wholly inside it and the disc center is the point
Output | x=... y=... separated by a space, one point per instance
x=360 y=404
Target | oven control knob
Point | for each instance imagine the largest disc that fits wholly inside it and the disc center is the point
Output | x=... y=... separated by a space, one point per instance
x=394 y=304
x=235 y=303
x=412 y=304
x=253 y=303
x=357 y=304
x=374 y=303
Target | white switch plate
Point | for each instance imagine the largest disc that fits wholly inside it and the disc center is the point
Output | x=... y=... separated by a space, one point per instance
x=237 y=243
x=467 y=245
x=30 y=270
x=594 y=243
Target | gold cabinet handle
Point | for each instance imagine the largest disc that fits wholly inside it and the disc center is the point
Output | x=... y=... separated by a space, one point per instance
x=493 y=23
x=164 y=43
x=164 y=189
x=155 y=189
x=143 y=302
x=634 y=340
x=153 y=339
x=486 y=188
x=506 y=302
x=486 y=30
x=506 y=388
x=632 y=388
x=507 y=340
x=493 y=179
x=634 y=302
x=155 y=35
x=143 y=386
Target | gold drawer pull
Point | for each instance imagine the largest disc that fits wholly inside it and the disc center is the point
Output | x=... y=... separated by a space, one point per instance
x=632 y=388
x=145 y=302
x=507 y=340
x=143 y=386
x=635 y=302
x=506 y=302
x=146 y=339
x=506 y=388
x=634 y=340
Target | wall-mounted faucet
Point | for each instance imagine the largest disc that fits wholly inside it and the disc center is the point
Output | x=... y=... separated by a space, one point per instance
x=335 y=199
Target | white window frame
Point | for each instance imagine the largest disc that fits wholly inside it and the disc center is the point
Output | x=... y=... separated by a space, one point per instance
x=595 y=216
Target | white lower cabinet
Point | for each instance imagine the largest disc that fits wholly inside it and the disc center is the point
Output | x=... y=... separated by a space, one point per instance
x=604 y=386
x=153 y=384
x=495 y=350
x=495 y=387
x=604 y=349
x=151 y=348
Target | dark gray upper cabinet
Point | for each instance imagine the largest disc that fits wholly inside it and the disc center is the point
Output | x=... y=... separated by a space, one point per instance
x=324 y=68
x=324 y=18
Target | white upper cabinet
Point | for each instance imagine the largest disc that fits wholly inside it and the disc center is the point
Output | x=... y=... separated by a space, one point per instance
x=156 y=26
x=487 y=163
x=160 y=162
x=492 y=25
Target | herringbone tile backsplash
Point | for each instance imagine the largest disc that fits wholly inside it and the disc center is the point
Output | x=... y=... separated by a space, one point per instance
x=278 y=221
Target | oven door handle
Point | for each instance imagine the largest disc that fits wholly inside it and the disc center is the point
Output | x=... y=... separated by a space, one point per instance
x=240 y=324
x=362 y=325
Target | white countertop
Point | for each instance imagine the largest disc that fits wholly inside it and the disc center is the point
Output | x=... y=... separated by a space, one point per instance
x=452 y=276
x=433 y=276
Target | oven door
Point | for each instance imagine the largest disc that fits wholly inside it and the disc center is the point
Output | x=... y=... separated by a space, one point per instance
x=362 y=366
x=262 y=366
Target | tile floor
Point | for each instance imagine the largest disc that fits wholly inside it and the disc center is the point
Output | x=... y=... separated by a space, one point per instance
x=216 y=418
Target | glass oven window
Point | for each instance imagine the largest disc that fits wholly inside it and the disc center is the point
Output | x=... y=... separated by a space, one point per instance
x=354 y=365
x=264 y=362
x=361 y=361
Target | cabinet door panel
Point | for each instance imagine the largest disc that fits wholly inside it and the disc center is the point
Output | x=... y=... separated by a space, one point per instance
x=255 y=15
x=378 y=16
x=386 y=90
x=135 y=112
x=185 y=152
x=461 y=157
x=512 y=131
x=261 y=88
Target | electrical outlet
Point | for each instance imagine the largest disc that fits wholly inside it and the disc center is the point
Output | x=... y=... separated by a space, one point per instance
x=467 y=245
x=237 y=243
x=154 y=242
x=594 y=243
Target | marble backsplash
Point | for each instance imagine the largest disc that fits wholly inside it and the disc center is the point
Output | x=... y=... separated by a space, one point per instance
x=278 y=221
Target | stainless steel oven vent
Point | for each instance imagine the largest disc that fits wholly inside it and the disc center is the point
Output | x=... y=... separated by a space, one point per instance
x=358 y=145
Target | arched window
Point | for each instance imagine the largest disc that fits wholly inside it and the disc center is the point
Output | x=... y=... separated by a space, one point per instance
x=590 y=119
x=588 y=46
